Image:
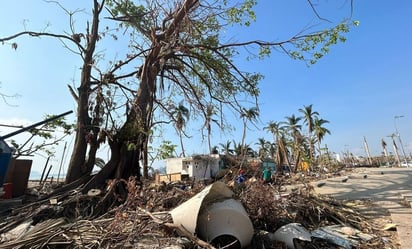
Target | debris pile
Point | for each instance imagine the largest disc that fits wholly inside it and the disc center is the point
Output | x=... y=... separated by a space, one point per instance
x=142 y=218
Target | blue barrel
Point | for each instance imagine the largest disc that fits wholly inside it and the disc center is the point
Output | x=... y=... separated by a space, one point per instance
x=5 y=155
x=4 y=165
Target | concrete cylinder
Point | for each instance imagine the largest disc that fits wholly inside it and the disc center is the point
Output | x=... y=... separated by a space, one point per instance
x=225 y=219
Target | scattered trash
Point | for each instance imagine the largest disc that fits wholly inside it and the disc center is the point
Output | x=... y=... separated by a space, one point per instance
x=390 y=227
x=331 y=237
x=295 y=236
x=281 y=197
x=241 y=177
x=290 y=233
x=94 y=192
x=342 y=235
x=194 y=215
x=385 y=240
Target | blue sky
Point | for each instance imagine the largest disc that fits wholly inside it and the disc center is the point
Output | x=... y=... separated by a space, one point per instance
x=359 y=86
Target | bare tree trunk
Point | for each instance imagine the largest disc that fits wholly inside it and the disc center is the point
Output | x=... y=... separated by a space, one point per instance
x=145 y=161
x=181 y=144
x=320 y=151
x=78 y=167
x=208 y=140
x=279 y=153
x=108 y=170
x=125 y=161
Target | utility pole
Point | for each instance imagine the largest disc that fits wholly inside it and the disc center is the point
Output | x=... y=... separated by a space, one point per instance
x=327 y=154
x=385 y=152
x=400 y=140
x=367 y=151
x=61 y=162
x=395 y=149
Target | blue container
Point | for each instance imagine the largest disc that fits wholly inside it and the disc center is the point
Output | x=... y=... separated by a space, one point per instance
x=4 y=165
x=5 y=155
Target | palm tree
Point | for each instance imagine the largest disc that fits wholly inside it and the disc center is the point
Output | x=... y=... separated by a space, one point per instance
x=208 y=123
x=243 y=150
x=278 y=133
x=385 y=152
x=237 y=148
x=226 y=148
x=295 y=130
x=247 y=115
x=250 y=151
x=263 y=147
x=272 y=150
x=309 y=115
x=181 y=116
x=320 y=131
x=214 y=150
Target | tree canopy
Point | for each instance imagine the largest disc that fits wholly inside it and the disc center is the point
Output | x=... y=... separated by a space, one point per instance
x=177 y=50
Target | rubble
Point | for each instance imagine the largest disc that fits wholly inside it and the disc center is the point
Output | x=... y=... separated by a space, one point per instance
x=143 y=219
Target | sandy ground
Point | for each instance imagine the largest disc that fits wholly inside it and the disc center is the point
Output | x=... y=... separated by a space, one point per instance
x=388 y=188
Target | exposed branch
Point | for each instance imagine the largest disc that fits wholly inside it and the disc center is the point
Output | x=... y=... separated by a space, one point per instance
x=73 y=93
x=316 y=12
x=39 y=34
x=5 y=97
